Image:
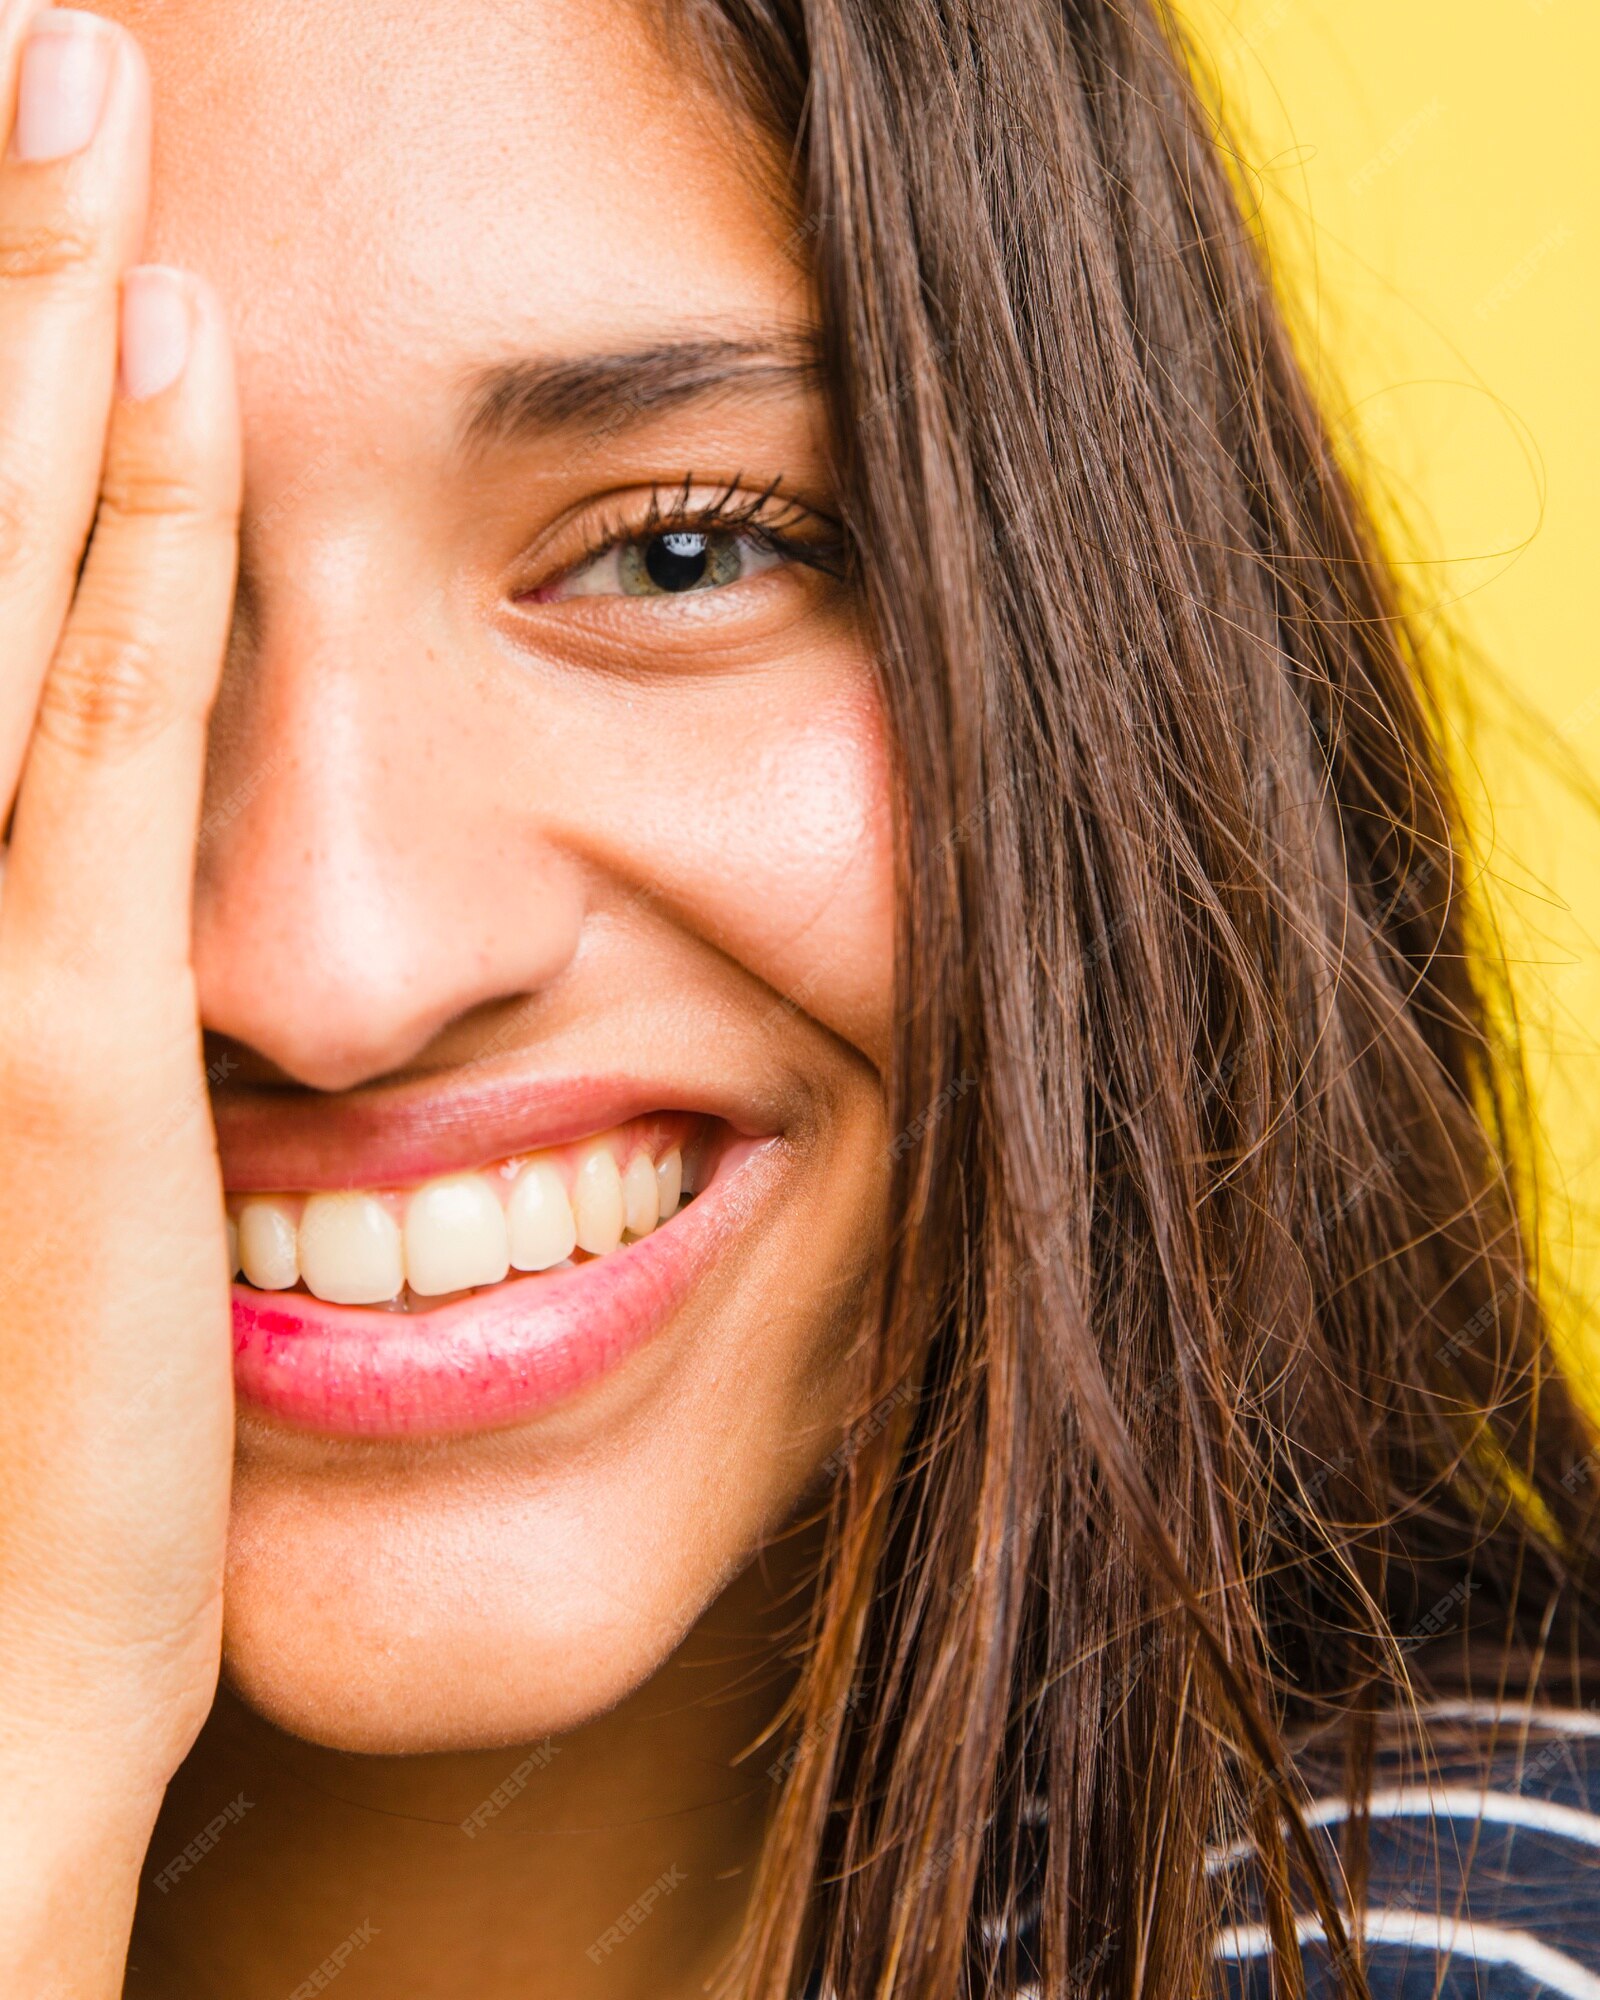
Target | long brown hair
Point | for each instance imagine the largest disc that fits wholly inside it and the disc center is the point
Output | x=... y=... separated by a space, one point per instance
x=1212 y=1361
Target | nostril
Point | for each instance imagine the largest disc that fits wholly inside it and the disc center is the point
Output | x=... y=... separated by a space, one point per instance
x=336 y=998
x=325 y=1027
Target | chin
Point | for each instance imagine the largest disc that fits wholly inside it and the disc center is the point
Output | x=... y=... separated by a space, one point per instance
x=441 y=1638
x=401 y=1595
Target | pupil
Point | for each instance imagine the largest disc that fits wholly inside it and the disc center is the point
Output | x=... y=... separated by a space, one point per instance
x=677 y=561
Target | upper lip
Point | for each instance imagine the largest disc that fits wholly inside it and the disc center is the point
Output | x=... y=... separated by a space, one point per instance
x=273 y=1138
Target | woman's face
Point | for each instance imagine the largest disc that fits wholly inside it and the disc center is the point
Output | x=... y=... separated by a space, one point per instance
x=508 y=851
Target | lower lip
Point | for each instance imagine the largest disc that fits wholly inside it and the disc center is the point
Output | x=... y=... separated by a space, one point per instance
x=498 y=1358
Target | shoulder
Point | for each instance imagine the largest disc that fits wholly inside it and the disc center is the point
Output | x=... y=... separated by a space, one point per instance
x=1484 y=1865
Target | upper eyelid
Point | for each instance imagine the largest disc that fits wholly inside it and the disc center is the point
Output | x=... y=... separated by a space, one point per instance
x=650 y=516
x=721 y=510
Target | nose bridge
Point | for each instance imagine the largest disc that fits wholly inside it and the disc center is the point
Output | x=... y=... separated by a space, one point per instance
x=359 y=885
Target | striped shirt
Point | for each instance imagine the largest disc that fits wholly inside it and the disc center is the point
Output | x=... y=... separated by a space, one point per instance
x=1484 y=1872
x=1483 y=1877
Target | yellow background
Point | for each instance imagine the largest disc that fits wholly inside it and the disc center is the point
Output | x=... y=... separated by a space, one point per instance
x=1429 y=176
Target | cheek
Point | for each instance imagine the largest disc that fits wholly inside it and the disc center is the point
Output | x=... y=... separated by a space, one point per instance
x=795 y=861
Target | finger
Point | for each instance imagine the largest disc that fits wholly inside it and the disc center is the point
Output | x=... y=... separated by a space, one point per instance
x=100 y=877
x=74 y=94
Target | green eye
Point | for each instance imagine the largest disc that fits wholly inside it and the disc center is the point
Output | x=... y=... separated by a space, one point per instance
x=682 y=560
x=668 y=563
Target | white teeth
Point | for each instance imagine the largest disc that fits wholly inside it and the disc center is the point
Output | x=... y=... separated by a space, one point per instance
x=640 y=1195
x=350 y=1249
x=420 y=1248
x=539 y=1218
x=669 y=1185
x=414 y=1301
x=597 y=1202
x=455 y=1236
x=267 y=1252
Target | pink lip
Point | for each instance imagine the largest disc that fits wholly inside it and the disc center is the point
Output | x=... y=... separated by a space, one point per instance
x=269 y=1140
x=499 y=1357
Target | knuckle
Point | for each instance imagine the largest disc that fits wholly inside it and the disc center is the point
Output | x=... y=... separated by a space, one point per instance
x=137 y=492
x=105 y=693
x=69 y=246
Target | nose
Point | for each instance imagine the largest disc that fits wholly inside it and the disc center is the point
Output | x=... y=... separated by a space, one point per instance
x=360 y=883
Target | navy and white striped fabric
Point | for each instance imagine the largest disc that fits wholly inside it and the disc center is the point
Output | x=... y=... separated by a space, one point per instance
x=1484 y=1878
x=1484 y=1874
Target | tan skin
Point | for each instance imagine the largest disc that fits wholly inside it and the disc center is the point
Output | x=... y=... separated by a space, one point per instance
x=445 y=823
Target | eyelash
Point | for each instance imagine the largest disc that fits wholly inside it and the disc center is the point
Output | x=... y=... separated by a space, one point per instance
x=723 y=513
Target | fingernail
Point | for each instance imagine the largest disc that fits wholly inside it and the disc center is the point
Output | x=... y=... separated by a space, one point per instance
x=157 y=322
x=66 y=63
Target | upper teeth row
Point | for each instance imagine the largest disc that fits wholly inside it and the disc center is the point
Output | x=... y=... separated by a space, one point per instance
x=357 y=1248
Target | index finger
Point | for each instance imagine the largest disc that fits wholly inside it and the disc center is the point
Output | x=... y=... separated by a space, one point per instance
x=73 y=185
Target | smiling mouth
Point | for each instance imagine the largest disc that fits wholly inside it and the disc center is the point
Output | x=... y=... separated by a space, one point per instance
x=416 y=1248
x=414 y=1364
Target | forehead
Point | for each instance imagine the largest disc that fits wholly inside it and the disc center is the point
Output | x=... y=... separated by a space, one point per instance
x=384 y=192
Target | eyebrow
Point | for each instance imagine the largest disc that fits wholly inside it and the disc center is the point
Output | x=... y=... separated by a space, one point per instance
x=520 y=400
